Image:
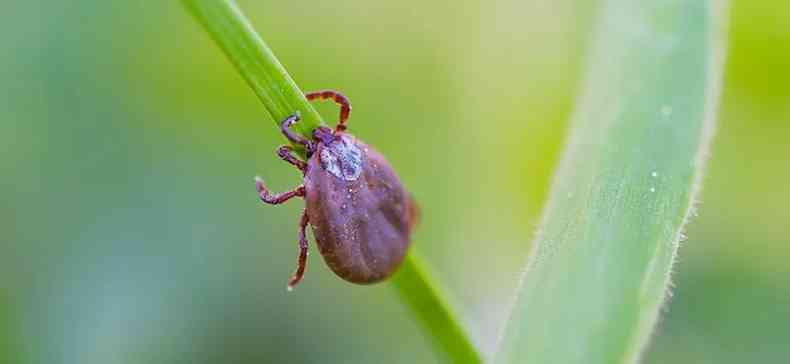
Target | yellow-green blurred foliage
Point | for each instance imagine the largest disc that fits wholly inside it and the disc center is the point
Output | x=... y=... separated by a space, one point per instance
x=131 y=231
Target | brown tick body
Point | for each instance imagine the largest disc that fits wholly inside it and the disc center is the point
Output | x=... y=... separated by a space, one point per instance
x=362 y=216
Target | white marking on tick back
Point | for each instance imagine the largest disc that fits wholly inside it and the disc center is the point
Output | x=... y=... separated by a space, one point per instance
x=342 y=158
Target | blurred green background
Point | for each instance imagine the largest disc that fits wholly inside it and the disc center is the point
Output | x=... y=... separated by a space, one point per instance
x=131 y=231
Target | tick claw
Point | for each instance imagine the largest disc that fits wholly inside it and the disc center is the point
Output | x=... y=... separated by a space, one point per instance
x=259 y=184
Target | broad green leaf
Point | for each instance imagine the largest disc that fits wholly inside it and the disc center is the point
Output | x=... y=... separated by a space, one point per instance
x=600 y=267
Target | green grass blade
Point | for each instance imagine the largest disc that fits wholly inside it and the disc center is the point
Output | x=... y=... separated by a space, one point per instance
x=281 y=97
x=254 y=60
x=425 y=300
x=600 y=267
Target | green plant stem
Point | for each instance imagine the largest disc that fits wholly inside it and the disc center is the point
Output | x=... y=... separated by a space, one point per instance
x=425 y=299
x=228 y=26
x=281 y=97
x=625 y=188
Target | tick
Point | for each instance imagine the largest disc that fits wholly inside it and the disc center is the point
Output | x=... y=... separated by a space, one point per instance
x=361 y=215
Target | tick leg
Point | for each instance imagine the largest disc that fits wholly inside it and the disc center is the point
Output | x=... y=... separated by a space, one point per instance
x=285 y=127
x=340 y=99
x=301 y=262
x=284 y=151
x=277 y=199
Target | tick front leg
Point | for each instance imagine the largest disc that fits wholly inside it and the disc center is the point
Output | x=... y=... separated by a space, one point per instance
x=301 y=262
x=285 y=153
x=285 y=127
x=339 y=98
x=277 y=199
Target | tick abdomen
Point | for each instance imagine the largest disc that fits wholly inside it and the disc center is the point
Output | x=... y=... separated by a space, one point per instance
x=361 y=215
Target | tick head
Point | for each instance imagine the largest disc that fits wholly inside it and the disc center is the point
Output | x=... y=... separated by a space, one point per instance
x=323 y=135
